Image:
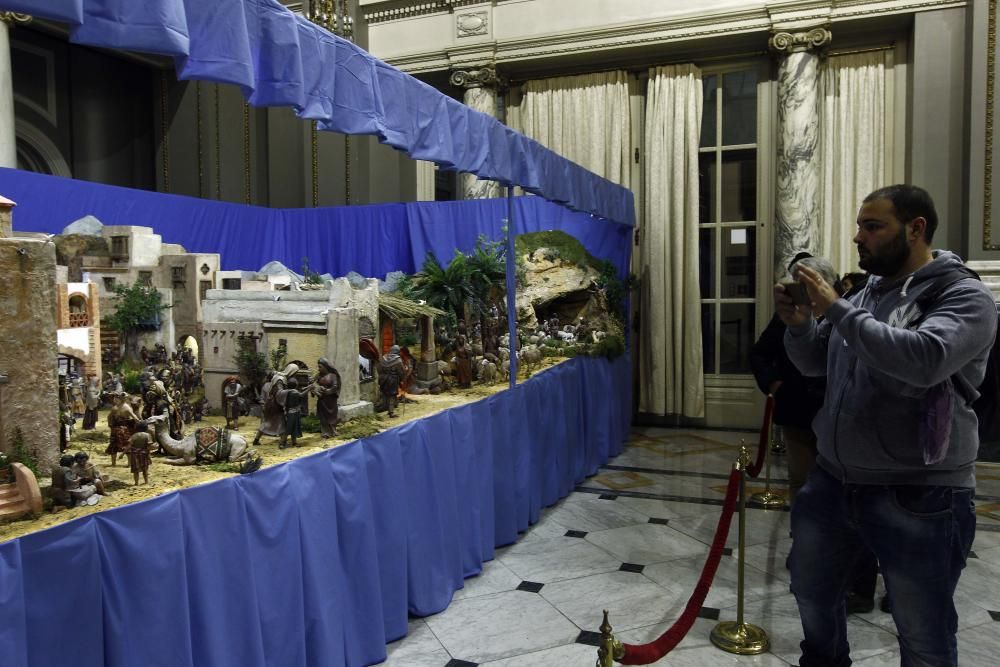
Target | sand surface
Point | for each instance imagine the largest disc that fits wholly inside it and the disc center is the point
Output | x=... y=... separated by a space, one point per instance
x=164 y=478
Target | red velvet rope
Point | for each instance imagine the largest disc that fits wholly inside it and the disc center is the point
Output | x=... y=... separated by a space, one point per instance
x=646 y=654
x=765 y=438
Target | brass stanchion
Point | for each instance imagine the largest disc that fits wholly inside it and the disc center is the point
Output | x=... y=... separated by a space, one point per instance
x=768 y=498
x=736 y=636
x=610 y=649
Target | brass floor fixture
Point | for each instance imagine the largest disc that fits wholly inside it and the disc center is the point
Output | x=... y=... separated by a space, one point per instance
x=738 y=636
x=767 y=498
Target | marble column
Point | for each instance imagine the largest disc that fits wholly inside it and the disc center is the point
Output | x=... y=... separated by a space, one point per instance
x=480 y=94
x=797 y=206
x=8 y=139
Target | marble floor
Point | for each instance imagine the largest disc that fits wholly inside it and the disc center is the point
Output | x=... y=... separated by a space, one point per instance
x=633 y=538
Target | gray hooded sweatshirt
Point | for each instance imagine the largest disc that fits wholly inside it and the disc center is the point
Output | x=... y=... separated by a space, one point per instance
x=884 y=360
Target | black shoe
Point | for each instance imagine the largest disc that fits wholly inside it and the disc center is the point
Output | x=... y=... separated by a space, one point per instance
x=885 y=605
x=859 y=605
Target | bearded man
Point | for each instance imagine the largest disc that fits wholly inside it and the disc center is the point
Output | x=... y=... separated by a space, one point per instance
x=896 y=435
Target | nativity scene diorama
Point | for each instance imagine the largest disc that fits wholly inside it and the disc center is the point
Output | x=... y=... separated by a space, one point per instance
x=132 y=367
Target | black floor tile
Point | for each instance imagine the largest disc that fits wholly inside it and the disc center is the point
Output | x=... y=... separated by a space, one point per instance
x=589 y=638
x=455 y=662
x=607 y=496
x=995 y=615
x=659 y=522
x=632 y=567
x=575 y=533
x=530 y=586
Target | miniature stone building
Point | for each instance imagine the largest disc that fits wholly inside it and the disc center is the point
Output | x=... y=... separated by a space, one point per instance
x=307 y=324
x=29 y=393
x=135 y=254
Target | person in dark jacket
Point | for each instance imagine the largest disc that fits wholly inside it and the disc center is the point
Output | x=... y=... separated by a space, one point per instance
x=797 y=399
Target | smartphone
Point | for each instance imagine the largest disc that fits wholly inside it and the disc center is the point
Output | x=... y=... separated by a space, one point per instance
x=797 y=291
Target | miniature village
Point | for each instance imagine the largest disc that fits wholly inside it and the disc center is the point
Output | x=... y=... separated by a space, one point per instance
x=132 y=367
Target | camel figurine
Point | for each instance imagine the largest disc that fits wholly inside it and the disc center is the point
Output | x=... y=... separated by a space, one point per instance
x=204 y=444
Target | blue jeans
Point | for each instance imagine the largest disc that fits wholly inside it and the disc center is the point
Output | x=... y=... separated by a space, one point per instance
x=921 y=536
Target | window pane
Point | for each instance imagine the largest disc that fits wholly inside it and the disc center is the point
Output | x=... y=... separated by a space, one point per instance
x=739 y=108
x=736 y=328
x=708 y=110
x=739 y=262
x=706 y=187
x=706 y=263
x=708 y=336
x=739 y=185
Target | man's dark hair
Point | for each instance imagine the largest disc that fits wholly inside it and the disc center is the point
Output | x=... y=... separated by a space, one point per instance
x=909 y=202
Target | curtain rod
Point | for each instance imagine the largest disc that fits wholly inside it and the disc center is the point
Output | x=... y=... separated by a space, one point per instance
x=851 y=52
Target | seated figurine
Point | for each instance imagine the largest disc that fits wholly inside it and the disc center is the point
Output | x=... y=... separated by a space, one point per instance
x=87 y=473
x=67 y=488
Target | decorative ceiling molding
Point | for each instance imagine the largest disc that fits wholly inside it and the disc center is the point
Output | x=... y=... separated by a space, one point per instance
x=404 y=9
x=775 y=17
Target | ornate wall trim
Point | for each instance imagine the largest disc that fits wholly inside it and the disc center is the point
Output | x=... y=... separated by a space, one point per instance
x=991 y=47
x=472 y=24
x=405 y=10
x=782 y=16
x=44 y=146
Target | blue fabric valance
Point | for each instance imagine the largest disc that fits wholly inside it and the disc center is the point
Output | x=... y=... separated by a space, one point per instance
x=280 y=59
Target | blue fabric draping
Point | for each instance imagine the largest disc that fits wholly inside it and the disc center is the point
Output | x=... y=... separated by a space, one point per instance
x=278 y=59
x=317 y=561
x=371 y=240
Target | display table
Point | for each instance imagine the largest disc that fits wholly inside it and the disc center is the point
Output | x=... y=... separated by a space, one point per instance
x=320 y=560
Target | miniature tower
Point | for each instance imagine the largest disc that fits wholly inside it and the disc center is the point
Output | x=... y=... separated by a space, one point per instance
x=29 y=393
x=6 y=214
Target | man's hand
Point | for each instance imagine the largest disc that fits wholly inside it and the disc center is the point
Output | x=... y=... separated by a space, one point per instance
x=821 y=294
x=789 y=313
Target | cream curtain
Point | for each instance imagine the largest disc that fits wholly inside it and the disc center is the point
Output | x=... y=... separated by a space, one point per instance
x=671 y=373
x=856 y=92
x=583 y=118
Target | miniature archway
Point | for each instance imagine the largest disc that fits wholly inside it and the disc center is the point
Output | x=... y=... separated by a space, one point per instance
x=190 y=343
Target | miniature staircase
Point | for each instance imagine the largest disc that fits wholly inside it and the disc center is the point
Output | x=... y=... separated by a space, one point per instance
x=12 y=505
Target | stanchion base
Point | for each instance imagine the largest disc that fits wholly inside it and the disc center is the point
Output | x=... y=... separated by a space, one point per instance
x=740 y=638
x=768 y=499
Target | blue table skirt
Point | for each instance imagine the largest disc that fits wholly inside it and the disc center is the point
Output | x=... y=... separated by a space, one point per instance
x=317 y=561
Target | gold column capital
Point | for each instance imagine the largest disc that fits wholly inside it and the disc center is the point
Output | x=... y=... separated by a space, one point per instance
x=787 y=43
x=476 y=77
x=12 y=18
